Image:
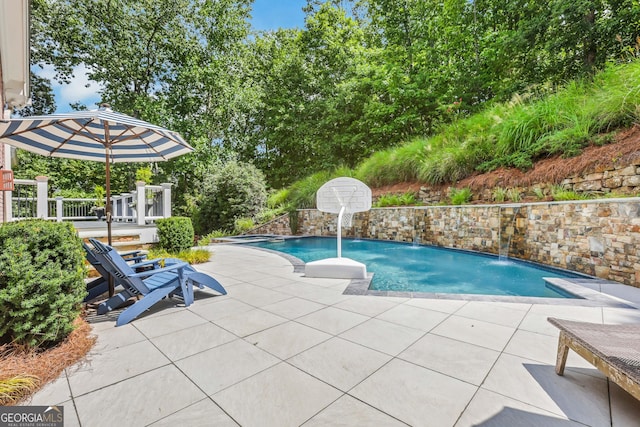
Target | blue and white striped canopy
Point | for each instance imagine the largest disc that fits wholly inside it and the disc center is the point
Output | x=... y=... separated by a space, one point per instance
x=84 y=135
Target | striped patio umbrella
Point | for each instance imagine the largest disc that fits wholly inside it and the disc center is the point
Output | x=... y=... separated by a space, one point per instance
x=99 y=135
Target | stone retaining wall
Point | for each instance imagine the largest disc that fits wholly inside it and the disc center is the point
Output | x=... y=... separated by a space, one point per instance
x=620 y=180
x=596 y=237
x=280 y=225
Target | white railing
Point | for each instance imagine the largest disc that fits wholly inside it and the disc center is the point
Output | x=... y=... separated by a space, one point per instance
x=29 y=200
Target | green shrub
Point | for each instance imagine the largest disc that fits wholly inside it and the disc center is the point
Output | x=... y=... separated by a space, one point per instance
x=175 y=234
x=460 y=196
x=236 y=190
x=41 y=281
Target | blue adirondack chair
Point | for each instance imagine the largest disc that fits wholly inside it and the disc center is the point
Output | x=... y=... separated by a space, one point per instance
x=100 y=285
x=176 y=277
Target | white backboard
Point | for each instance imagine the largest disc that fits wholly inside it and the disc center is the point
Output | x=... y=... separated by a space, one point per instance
x=344 y=191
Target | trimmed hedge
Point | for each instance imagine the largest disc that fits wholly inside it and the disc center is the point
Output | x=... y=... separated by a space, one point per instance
x=175 y=234
x=41 y=281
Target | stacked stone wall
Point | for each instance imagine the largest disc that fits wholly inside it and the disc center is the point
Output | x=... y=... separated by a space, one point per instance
x=620 y=180
x=280 y=225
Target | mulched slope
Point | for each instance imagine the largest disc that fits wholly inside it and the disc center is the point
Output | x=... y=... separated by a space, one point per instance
x=625 y=150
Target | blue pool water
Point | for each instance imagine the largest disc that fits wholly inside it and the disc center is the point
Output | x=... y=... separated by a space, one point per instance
x=405 y=267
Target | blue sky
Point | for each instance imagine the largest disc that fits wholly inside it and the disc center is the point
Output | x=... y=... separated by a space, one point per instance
x=266 y=15
x=274 y=14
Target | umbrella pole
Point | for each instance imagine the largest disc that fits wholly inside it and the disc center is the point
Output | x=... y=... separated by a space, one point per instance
x=108 y=201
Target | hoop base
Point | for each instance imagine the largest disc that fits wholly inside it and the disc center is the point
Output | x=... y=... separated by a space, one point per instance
x=336 y=268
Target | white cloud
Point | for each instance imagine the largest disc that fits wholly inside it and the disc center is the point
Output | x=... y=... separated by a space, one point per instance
x=80 y=89
x=46 y=71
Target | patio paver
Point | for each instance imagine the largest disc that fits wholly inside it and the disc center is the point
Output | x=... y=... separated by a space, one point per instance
x=279 y=396
x=420 y=396
x=347 y=411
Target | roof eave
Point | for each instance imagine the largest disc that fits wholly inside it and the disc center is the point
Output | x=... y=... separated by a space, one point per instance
x=14 y=52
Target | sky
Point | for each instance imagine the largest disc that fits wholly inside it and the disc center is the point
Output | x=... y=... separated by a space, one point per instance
x=266 y=15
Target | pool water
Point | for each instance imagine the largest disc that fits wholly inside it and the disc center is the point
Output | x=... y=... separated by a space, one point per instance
x=405 y=267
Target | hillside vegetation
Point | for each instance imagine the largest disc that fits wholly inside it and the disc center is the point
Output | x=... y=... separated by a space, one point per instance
x=532 y=126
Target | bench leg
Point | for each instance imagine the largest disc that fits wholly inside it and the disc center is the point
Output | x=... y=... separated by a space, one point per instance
x=563 y=351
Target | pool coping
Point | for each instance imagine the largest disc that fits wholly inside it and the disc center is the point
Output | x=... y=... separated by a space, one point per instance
x=586 y=297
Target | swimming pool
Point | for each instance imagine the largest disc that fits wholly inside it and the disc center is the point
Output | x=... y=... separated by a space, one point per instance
x=410 y=268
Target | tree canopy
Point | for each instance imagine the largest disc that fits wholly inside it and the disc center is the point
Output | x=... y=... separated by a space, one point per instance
x=360 y=77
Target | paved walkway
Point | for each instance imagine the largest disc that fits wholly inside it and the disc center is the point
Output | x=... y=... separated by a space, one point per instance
x=284 y=350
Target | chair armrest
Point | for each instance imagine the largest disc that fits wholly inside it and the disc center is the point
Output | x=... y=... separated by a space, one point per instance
x=135 y=253
x=171 y=267
x=146 y=263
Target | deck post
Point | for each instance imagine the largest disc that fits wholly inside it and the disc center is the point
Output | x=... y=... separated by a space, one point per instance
x=8 y=205
x=166 y=199
x=42 y=208
x=140 y=202
x=59 y=209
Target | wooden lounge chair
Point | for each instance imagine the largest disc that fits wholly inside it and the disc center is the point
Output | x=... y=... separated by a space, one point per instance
x=613 y=349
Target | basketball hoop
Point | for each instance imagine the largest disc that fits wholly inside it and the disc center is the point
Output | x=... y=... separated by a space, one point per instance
x=343 y=196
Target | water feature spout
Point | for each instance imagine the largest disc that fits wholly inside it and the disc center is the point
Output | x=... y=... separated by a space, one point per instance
x=504 y=251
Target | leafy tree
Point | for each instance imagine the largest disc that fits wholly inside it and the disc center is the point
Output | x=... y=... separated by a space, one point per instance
x=168 y=62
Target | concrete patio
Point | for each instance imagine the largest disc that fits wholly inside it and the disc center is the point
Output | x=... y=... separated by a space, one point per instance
x=284 y=350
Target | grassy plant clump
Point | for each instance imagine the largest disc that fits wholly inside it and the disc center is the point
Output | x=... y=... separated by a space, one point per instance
x=303 y=192
x=242 y=225
x=460 y=196
x=13 y=389
x=278 y=198
x=539 y=193
x=514 y=195
x=267 y=215
x=560 y=194
x=192 y=256
x=208 y=238
x=400 y=164
x=406 y=199
x=499 y=194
